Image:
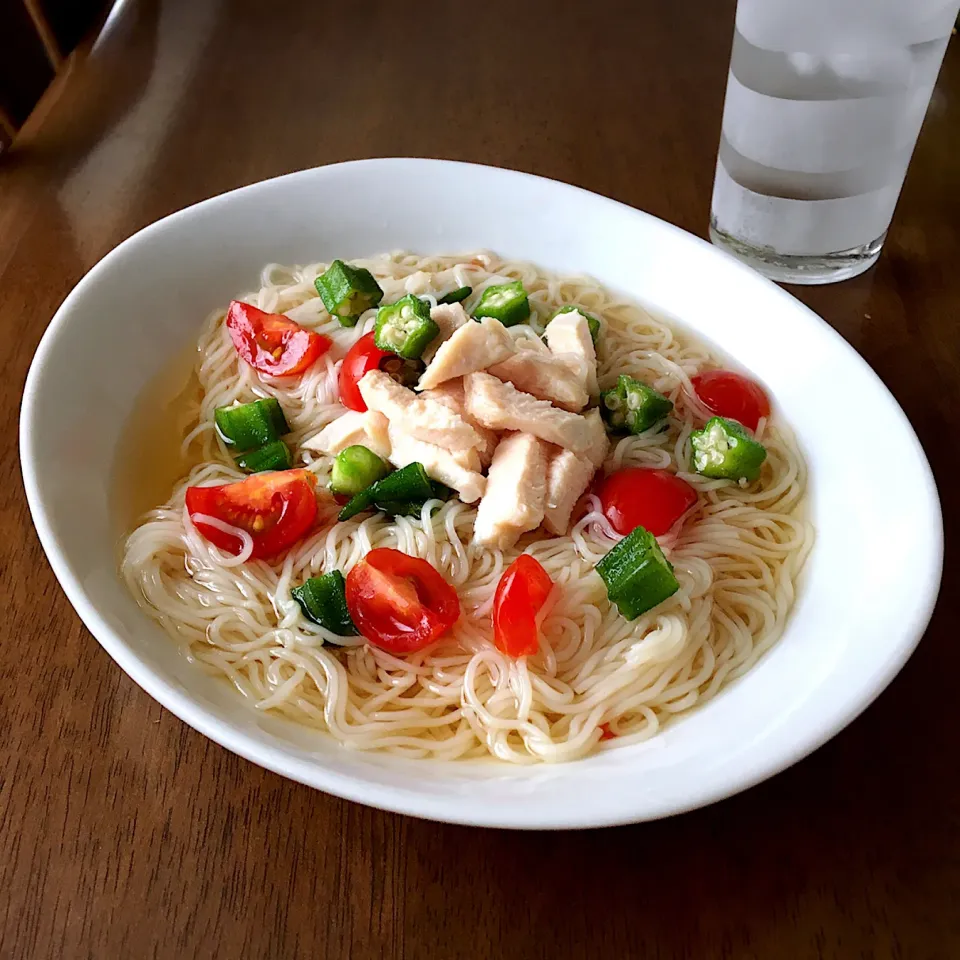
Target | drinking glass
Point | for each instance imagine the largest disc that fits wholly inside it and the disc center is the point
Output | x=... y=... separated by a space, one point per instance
x=824 y=102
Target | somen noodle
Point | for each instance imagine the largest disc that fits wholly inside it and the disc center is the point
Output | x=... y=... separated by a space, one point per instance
x=598 y=681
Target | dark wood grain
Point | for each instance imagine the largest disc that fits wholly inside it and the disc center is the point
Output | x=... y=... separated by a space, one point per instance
x=125 y=834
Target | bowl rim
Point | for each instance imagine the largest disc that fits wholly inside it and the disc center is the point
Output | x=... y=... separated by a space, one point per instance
x=382 y=796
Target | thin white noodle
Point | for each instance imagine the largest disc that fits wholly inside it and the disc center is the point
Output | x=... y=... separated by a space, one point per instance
x=737 y=558
x=246 y=541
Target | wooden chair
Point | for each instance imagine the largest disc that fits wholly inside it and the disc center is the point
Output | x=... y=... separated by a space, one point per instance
x=36 y=39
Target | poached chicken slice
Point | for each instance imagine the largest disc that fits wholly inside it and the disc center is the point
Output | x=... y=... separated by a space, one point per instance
x=547 y=377
x=501 y=406
x=516 y=492
x=474 y=346
x=596 y=451
x=568 y=476
x=367 y=429
x=462 y=472
x=420 y=418
x=450 y=394
x=449 y=317
x=569 y=334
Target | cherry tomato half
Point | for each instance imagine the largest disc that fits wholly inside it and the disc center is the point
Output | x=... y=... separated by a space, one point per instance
x=271 y=343
x=642 y=497
x=728 y=394
x=521 y=592
x=275 y=508
x=362 y=357
x=398 y=602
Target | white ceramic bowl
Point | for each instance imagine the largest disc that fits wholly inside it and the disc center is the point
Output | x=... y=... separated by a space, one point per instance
x=867 y=592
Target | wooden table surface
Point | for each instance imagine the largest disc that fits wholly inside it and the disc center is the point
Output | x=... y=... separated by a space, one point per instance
x=123 y=833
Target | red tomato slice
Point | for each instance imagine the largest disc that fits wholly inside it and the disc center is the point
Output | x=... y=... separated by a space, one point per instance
x=362 y=357
x=271 y=343
x=605 y=732
x=521 y=592
x=728 y=394
x=275 y=508
x=641 y=497
x=398 y=602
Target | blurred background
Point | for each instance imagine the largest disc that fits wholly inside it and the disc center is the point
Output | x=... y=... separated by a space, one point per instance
x=36 y=39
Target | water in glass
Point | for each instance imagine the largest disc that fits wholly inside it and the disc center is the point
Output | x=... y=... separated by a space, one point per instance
x=825 y=99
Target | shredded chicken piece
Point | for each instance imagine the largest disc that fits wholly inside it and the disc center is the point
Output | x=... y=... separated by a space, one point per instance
x=516 y=491
x=420 y=418
x=367 y=429
x=474 y=346
x=547 y=377
x=461 y=473
x=450 y=394
x=449 y=317
x=525 y=338
x=568 y=334
x=500 y=406
x=599 y=445
x=568 y=476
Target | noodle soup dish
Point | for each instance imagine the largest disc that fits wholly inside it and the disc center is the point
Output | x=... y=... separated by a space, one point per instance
x=462 y=507
x=474 y=496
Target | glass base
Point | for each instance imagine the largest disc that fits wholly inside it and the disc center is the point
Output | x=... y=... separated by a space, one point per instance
x=788 y=268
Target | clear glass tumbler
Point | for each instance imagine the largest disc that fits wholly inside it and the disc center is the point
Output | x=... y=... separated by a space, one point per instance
x=825 y=99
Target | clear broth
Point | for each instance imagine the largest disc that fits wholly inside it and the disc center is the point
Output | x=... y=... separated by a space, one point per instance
x=150 y=459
